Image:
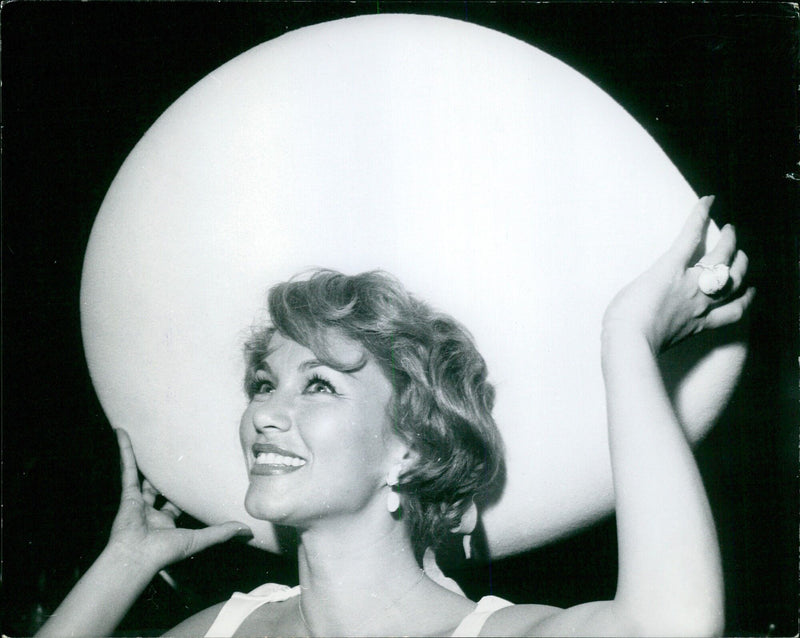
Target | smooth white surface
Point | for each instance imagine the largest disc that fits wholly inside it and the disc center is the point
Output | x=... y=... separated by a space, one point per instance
x=493 y=180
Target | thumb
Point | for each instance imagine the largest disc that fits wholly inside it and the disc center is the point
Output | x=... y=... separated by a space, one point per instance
x=693 y=231
x=215 y=534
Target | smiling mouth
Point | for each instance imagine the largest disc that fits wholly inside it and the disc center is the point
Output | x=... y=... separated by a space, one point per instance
x=271 y=460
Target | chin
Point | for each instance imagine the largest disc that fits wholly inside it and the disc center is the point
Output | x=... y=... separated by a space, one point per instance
x=260 y=506
x=267 y=508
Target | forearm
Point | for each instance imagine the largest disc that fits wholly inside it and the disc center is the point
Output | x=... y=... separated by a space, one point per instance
x=101 y=598
x=669 y=566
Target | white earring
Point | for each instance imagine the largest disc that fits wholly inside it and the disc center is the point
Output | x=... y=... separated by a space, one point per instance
x=393 y=500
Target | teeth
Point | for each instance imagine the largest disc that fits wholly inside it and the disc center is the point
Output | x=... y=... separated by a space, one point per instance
x=271 y=458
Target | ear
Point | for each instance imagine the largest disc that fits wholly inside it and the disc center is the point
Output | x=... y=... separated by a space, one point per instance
x=469 y=519
x=409 y=460
x=400 y=459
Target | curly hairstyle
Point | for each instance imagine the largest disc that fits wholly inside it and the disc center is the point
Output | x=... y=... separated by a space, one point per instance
x=442 y=402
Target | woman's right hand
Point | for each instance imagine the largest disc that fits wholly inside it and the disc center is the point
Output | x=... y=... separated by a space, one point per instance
x=148 y=535
x=143 y=541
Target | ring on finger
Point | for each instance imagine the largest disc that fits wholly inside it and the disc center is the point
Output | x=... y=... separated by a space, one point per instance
x=713 y=278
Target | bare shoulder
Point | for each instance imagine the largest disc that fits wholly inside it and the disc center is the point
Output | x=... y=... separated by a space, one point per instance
x=518 y=620
x=594 y=618
x=197 y=625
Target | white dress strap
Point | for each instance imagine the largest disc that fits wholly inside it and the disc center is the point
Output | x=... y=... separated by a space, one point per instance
x=240 y=606
x=472 y=624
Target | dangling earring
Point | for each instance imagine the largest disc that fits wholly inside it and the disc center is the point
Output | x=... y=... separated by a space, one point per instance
x=469 y=520
x=393 y=500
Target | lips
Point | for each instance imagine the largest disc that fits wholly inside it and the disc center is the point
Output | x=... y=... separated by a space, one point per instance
x=270 y=460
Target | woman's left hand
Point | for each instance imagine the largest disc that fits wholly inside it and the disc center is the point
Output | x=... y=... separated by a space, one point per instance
x=665 y=304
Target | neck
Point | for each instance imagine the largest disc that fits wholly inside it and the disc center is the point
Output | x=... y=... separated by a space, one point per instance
x=353 y=578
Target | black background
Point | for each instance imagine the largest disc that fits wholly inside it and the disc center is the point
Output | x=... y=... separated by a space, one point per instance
x=715 y=84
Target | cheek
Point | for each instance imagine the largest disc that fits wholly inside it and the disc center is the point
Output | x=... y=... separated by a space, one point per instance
x=246 y=430
x=369 y=438
x=354 y=439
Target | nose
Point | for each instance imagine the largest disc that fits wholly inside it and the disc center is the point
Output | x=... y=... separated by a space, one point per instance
x=271 y=414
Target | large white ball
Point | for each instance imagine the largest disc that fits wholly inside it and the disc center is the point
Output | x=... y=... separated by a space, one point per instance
x=493 y=180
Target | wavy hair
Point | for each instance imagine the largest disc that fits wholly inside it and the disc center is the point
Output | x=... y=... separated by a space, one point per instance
x=442 y=401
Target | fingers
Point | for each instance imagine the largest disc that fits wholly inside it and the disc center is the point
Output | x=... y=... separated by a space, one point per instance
x=725 y=248
x=738 y=270
x=208 y=536
x=725 y=303
x=149 y=493
x=730 y=312
x=715 y=278
x=693 y=231
x=171 y=509
x=129 y=471
x=131 y=489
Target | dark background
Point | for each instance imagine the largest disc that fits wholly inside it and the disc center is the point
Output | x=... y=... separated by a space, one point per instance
x=715 y=84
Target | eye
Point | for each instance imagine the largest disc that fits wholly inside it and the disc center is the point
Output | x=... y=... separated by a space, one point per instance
x=318 y=385
x=261 y=384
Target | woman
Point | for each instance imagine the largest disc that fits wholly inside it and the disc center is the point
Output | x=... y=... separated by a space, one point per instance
x=369 y=433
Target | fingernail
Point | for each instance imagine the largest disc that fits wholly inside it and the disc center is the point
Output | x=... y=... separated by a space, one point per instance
x=705 y=205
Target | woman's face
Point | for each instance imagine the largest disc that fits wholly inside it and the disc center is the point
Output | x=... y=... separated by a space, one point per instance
x=316 y=441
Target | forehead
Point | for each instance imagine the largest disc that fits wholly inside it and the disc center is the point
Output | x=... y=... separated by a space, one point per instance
x=336 y=351
x=344 y=355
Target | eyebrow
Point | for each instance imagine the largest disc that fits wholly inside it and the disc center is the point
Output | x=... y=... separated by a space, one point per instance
x=310 y=364
x=317 y=363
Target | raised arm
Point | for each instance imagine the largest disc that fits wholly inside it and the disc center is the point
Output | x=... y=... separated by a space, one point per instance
x=670 y=577
x=143 y=541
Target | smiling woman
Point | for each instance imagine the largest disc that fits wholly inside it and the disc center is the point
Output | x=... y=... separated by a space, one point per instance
x=367 y=328
x=315 y=438
x=369 y=433
x=244 y=181
x=699 y=78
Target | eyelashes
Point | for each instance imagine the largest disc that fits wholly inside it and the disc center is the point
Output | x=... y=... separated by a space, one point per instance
x=319 y=385
x=316 y=384
x=259 y=384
